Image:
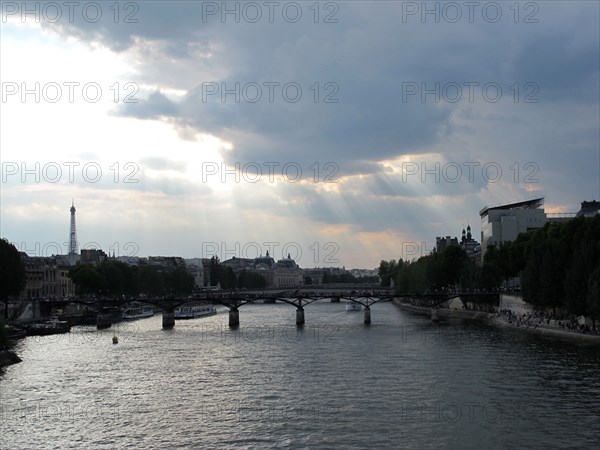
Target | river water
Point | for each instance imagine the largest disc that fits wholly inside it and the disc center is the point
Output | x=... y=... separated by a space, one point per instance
x=402 y=382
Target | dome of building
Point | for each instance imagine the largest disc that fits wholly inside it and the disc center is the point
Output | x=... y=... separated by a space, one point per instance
x=264 y=262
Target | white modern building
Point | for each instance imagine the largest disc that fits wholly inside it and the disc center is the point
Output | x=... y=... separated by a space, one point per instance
x=503 y=223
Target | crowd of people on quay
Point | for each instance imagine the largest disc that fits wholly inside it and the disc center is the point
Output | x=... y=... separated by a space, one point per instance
x=433 y=303
x=537 y=319
x=525 y=319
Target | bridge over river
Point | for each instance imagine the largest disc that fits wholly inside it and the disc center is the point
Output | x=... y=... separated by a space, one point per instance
x=299 y=298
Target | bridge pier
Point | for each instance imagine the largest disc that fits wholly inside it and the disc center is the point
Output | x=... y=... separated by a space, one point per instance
x=168 y=320
x=300 y=316
x=367 y=315
x=103 y=321
x=234 y=318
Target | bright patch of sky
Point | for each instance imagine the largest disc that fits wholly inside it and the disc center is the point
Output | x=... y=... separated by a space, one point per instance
x=179 y=131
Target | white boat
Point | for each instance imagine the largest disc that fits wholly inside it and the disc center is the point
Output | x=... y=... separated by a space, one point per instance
x=353 y=306
x=191 y=312
x=137 y=312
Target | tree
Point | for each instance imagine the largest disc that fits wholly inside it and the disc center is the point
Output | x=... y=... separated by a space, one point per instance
x=493 y=269
x=343 y=277
x=552 y=273
x=221 y=274
x=87 y=279
x=434 y=275
x=530 y=279
x=388 y=270
x=229 y=281
x=418 y=276
x=249 y=279
x=114 y=275
x=470 y=275
x=490 y=276
x=12 y=272
x=151 y=281
x=411 y=277
x=557 y=262
x=452 y=262
x=576 y=284
x=179 y=281
x=593 y=295
x=504 y=263
x=517 y=253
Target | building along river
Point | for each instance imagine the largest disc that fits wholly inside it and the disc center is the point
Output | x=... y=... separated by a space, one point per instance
x=403 y=382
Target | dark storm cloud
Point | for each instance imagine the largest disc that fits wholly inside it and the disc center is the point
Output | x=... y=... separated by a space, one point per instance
x=368 y=57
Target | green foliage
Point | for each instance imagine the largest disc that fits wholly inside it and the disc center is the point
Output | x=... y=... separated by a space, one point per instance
x=559 y=265
x=452 y=262
x=150 y=282
x=490 y=276
x=115 y=278
x=347 y=277
x=437 y=271
x=433 y=271
x=12 y=270
x=593 y=293
x=248 y=279
x=388 y=271
x=221 y=274
x=470 y=275
x=576 y=284
x=412 y=276
x=179 y=281
x=87 y=279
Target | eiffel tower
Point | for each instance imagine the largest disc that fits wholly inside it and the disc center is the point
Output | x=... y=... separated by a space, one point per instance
x=73 y=248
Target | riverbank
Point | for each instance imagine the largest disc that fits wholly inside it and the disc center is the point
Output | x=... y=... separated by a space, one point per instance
x=498 y=321
x=446 y=313
x=546 y=330
x=8 y=357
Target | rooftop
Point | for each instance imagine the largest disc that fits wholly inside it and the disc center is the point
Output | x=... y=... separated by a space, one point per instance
x=527 y=204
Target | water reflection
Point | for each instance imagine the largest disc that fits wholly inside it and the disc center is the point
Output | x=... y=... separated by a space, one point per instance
x=402 y=382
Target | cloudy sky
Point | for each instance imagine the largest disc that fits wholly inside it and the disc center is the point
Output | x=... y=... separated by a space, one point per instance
x=341 y=132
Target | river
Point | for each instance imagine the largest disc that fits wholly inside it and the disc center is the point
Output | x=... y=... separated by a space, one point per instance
x=402 y=382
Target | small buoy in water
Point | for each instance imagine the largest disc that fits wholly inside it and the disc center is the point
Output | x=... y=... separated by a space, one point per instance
x=115 y=340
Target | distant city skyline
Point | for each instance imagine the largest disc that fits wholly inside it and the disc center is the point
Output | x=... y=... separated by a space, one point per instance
x=250 y=249
x=357 y=133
